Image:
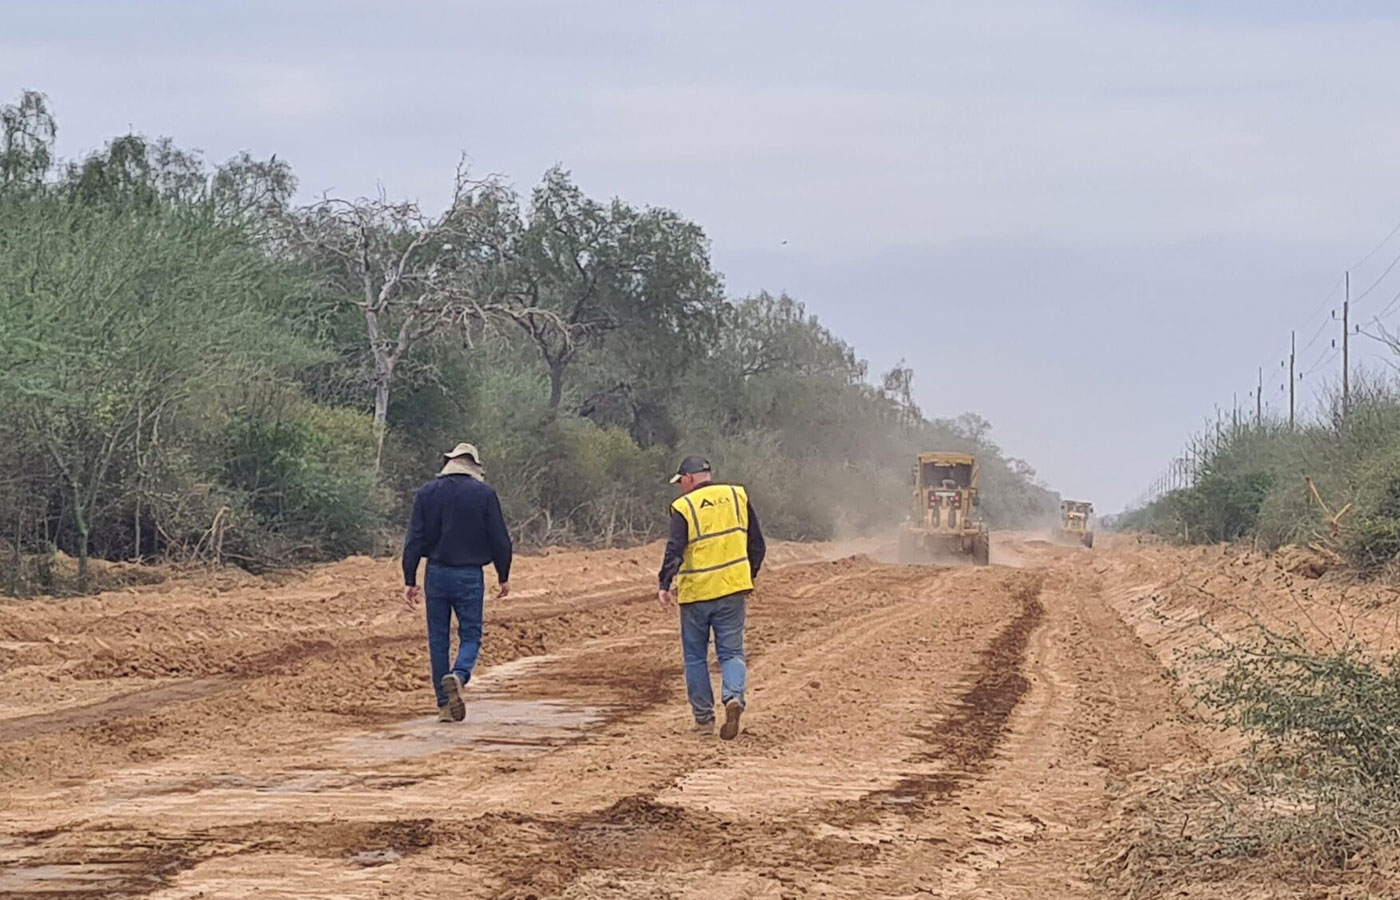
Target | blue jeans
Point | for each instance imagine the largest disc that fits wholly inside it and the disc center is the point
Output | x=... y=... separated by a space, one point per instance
x=725 y=617
x=449 y=590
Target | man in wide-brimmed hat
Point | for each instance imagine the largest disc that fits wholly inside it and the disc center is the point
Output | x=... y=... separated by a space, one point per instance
x=457 y=524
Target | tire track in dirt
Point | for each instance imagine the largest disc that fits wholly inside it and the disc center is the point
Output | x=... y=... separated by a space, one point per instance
x=527 y=631
x=144 y=714
x=114 y=709
x=639 y=829
x=1096 y=713
x=912 y=732
x=969 y=735
x=287 y=659
x=564 y=849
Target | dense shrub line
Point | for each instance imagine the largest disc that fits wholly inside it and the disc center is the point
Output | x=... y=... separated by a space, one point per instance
x=1253 y=484
x=192 y=368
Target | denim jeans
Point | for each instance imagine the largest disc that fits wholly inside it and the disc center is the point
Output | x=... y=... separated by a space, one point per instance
x=449 y=590
x=725 y=617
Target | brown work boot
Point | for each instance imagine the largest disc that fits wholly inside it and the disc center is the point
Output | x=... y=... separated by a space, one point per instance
x=704 y=728
x=452 y=686
x=730 y=729
x=444 y=714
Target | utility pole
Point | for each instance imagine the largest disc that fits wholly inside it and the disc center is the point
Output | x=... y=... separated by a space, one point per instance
x=1292 y=379
x=1346 y=369
x=1234 y=413
x=1259 y=400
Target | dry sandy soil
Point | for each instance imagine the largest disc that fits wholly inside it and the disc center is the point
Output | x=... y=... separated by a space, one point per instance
x=912 y=732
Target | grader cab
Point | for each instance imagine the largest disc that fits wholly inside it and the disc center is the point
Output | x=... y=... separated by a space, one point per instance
x=1076 y=522
x=944 y=519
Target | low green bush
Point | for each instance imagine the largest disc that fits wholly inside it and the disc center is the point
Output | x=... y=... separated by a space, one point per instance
x=1253 y=485
x=304 y=475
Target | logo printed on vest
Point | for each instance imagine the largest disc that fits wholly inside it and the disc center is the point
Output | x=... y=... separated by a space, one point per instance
x=706 y=502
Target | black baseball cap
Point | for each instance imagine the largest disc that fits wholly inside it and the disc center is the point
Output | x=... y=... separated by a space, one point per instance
x=691 y=465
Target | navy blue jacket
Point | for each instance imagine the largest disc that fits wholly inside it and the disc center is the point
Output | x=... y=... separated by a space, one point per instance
x=456 y=521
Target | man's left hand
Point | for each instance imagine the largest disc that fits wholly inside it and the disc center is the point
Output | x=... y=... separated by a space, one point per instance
x=410 y=595
x=666 y=598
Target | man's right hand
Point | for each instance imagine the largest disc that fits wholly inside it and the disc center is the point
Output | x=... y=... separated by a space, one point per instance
x=503 y=590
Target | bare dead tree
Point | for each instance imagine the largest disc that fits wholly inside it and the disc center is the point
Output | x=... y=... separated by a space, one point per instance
x=1386 y=336
x=413 y=275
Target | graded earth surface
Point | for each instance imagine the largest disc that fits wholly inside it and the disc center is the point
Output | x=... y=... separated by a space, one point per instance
x=912 y=731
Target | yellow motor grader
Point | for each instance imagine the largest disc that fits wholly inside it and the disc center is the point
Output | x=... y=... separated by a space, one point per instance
x=944 y=521
x=1075 y=522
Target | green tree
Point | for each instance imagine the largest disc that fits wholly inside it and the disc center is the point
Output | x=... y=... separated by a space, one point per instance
x=138 y=172
x=187 y=363
x=117 y=318
x=27 y=134
x=607 y=270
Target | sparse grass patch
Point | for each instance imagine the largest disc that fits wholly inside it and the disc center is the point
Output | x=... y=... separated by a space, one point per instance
x=1316 y=796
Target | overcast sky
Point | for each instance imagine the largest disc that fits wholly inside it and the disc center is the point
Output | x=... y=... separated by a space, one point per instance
x=1090 y=222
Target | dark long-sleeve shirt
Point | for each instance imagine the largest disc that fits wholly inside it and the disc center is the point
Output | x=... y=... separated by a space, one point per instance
x=457 y=521
x=680 y=536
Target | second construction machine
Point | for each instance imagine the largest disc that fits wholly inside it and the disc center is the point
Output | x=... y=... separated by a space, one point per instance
x=1076 y=525
x=944 y=521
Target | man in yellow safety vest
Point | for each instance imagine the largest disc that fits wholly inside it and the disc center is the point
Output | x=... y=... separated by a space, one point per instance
x=714 y=551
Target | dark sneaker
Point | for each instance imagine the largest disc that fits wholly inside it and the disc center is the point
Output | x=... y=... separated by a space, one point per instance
x=730 y=729
x=452 y=686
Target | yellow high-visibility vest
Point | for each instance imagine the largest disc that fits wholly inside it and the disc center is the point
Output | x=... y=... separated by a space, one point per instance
x=716 y=560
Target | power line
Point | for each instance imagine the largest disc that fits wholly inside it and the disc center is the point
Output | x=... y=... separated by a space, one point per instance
x=1321 y=328
x=1332 y=322
x=1323 y=360
x=1328 y=361
x=1385 y=240
x=1389 y=306
x=1393 y=263
x=1298 y=370
x=1325 y=300
x=1321 y=352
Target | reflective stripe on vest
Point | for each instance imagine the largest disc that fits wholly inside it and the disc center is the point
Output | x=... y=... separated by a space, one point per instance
x=716 y=560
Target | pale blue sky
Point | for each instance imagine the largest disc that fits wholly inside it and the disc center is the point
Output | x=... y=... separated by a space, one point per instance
x=1122 y=208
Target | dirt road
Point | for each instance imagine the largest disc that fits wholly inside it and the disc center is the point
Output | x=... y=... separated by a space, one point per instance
x=912 y=732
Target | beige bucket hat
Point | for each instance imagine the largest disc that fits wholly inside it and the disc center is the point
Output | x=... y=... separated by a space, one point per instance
x=463 y=459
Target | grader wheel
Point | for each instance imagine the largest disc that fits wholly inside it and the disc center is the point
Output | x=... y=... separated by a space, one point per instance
x=982 y=549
